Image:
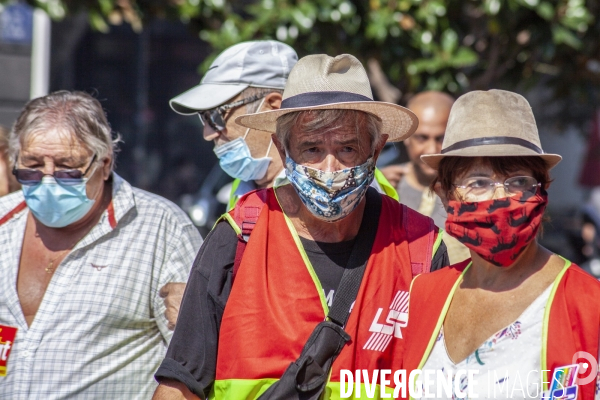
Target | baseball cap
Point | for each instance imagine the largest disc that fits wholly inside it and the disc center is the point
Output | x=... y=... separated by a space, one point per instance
x=261 y=64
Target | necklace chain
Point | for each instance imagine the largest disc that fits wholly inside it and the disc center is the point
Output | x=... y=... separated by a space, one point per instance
x=50 y=268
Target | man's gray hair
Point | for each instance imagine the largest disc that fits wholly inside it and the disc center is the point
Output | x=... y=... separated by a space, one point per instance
x=75 y=113
x=327 y=120
x=251 y=108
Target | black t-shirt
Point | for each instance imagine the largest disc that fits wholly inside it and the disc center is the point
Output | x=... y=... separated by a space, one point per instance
x=192 y=354
x=329 y=261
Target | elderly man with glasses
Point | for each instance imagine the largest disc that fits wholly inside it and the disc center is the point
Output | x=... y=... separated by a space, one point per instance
x=83 y=257
x=304 y=280
x=246 y=78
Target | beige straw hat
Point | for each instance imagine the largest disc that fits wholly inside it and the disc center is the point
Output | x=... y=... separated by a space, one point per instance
x=491 y=123
x=320 y=82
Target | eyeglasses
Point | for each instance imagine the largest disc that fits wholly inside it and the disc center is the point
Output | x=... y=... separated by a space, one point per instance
x=214 y=116
x=481 y=188
x=67 y=177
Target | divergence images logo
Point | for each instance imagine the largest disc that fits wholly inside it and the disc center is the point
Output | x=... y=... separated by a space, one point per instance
x=397 y=317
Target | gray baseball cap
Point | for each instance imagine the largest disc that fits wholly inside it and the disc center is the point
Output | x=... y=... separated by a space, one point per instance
x=261 y=64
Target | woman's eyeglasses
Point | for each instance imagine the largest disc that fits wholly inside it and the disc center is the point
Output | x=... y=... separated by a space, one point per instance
x=67 y=177
x=214 y=117
x=482 y=188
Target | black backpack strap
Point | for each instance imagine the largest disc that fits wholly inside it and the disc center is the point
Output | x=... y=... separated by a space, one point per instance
x=245 y=215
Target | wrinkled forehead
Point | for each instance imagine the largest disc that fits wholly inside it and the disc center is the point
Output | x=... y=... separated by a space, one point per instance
x=55 y=143
x=312 y=125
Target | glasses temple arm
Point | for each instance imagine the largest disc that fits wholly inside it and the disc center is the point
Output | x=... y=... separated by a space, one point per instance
x=90 y=166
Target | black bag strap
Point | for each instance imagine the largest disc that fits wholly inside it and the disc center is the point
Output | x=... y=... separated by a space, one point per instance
x=357 y=263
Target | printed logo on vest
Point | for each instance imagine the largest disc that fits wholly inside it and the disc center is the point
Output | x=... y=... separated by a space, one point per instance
x=7 y=338
x=384 y=331
x=564 y=384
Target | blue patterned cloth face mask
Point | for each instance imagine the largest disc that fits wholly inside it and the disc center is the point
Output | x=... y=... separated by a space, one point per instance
x=235 y=159
x=330 y=196
x=57 y=205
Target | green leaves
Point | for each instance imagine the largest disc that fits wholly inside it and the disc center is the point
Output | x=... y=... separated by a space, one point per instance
x=452 y=45
x=562 y=35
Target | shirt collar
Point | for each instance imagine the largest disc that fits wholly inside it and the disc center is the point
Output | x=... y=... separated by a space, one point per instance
x=122 y=198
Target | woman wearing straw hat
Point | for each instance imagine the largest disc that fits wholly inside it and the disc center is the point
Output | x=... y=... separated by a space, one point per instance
x=516 y=316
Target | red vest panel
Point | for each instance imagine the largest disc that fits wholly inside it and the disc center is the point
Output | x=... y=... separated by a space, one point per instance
x=573 y=325
x=275 y=302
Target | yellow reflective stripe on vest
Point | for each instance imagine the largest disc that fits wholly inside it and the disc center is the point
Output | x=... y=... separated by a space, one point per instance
x=385 y=185
x=243 y=389
x=546 y=324
x=238 y=389
x=307 y=262
x=227 y=217
x=438 y=242
x=233 y=199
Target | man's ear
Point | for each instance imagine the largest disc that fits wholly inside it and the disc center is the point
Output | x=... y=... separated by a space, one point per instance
x=279 y=147
x=441 y=194
x=106 y=163
x=272 y=101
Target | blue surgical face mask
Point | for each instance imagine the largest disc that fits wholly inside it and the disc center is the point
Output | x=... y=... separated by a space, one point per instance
x=330 y=196
x=57 y=205
x=235 y=159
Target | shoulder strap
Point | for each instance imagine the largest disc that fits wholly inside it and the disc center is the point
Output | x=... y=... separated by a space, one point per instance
x=245 y=215
x=357 y=263
x=420 y=232
x=20 y=207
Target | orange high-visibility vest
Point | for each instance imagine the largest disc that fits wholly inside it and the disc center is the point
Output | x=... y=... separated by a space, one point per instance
x=571 y=321
x=277 y=300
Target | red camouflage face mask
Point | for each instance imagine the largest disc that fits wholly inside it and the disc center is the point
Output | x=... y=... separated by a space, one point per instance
x=498 y=230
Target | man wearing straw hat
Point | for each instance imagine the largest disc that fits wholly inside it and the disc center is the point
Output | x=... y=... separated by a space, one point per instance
x=317 y=279
x=246 y=78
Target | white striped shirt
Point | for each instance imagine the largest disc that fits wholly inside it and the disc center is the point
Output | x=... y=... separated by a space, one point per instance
x=100 y=330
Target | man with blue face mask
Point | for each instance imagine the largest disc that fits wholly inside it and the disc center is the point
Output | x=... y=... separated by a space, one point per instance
x=245 y=78
x=322 y=260
x=83 y=257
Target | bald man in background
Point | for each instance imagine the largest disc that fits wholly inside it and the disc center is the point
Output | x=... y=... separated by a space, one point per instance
x=413 y=178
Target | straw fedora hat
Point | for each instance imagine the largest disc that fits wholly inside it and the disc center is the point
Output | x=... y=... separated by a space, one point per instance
x=493 y=123
x=320 y=82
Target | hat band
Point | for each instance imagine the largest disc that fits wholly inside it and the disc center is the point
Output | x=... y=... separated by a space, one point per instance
x=492 y=140
x=312 y=99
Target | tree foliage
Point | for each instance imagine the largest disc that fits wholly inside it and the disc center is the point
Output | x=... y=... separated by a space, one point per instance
x=452 y=45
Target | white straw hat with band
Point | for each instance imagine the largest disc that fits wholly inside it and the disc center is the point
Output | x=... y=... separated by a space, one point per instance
x=321 y=82
x=493 y=123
